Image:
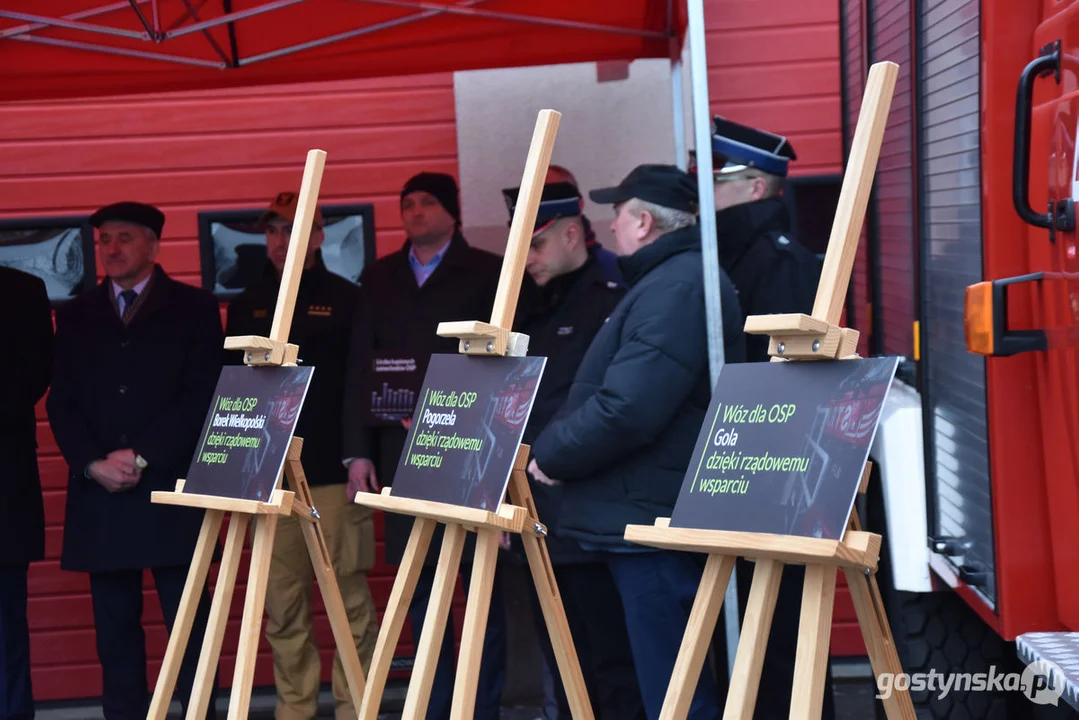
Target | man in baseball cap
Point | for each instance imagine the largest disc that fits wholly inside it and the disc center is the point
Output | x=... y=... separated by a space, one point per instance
x=277 y=222
x=632 y=416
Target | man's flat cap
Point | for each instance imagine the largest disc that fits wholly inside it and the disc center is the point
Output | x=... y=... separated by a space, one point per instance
x=130 y=212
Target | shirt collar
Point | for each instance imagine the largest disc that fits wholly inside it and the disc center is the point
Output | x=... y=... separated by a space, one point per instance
x=430 y=264
x=116 y=289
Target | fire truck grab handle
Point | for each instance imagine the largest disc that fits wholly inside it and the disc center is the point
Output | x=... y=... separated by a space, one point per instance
x=1062 y=215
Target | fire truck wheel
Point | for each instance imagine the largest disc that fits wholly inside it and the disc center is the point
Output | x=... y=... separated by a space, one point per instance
x=939 y=633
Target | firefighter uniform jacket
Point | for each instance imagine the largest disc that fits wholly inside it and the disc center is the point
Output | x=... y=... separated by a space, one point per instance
x=772 y=272
x=321 y=322
x=561 y=320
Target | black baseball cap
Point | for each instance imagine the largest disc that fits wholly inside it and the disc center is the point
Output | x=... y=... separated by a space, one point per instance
x=664 y=185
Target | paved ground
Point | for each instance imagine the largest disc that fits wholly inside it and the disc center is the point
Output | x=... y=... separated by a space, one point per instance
x=853 y=696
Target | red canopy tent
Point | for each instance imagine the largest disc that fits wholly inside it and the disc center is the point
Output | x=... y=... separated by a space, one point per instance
x=70 y=48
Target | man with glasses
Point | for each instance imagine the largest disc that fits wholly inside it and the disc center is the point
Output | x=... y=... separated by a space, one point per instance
x=321 y=323
x=772 y=271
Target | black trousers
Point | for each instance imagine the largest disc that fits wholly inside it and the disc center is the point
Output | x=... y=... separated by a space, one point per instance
x=598 y=627
x=16 y=692
x=121 y=640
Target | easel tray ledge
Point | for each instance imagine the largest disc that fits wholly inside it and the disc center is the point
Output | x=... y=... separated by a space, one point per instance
x=281 y=501
x=509 y=518
x=857 y=549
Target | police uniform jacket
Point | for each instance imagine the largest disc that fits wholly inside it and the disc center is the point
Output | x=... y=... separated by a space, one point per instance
x=773 y=272
x=25 y=369
x=397 y=317
x=147 y=386
x=321 y=322
x=622 y=441
x=561 y=320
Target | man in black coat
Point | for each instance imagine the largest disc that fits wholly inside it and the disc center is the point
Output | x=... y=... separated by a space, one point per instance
x=770 y=269
x=620 y=448
x=435 y=277
x=25 y=370
x=324 y=313
x=566 y=298
x=137 y=360
x=773 y=273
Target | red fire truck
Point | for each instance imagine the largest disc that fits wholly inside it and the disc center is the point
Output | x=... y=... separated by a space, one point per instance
x=966 y=268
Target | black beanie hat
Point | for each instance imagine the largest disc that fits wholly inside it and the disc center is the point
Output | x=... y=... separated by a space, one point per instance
x=442 y=186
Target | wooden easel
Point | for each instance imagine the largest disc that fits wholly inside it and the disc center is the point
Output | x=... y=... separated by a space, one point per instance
x=258 y=351
x=796 y=337
x=520 y=517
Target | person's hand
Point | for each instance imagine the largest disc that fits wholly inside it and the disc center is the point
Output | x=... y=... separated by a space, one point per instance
x=362 y=478
x=539 y=475
x=117 y=472
x=406 y=423
x=504 y=540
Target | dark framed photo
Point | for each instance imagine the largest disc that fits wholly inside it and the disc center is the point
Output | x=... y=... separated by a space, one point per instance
x=59 y=250
x=232 y=245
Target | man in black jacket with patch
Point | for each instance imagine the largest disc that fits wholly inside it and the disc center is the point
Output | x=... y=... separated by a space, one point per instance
x=621 y=445
x=771 y=270
x=567 y=296
x=773 y=273
x=324 y=312
x=25 y=371
x=435 y=277
x=136 y=363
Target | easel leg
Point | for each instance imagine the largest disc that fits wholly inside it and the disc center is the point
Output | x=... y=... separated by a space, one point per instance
x=219 y=616
x=434 y=624
x=814 y=636
x=396 y=613
x=697 y=637
x=554 y=614
x=877 y=634
x=475 y=626
x=185 y=616
x=753 y=641
x=251 y=625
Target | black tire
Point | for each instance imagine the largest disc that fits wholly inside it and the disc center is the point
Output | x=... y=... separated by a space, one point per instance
x=939 y=632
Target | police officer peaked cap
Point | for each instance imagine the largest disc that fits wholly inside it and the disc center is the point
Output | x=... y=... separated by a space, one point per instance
x=130 y=212
x=559 y=200
x=737 y=147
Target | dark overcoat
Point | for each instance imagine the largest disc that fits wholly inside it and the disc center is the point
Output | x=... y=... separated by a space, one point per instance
x=25 y=369
x=397 y=316
x=146 y=386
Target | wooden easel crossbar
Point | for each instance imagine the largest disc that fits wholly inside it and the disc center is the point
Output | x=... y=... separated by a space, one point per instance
x=519 y=516
x=796 y=338
x=258 y=351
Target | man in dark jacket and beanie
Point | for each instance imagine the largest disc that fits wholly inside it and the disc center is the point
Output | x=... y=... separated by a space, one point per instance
x=620 y=447
x=137 y=360
x=435 y=277
x=321 y=323
x=25 y=370
x=566 y=298
x=773 y=273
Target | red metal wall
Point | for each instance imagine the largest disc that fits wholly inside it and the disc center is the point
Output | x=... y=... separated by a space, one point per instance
x=190 y=153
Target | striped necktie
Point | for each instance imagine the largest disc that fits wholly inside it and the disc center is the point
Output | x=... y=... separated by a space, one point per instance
x=128 y=296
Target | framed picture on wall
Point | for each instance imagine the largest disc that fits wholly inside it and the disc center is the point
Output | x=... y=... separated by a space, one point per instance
x=232 y=245
x=59 y=250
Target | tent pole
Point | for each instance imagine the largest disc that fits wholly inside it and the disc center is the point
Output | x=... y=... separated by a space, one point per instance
x=702 y=126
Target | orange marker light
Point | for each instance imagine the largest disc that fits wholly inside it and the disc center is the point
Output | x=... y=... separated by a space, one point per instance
x=978 y=318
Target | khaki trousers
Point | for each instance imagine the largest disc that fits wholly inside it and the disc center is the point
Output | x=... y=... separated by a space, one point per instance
x=350 y=537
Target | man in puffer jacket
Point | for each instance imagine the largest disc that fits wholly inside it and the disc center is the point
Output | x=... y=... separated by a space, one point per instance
x=622 y=441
